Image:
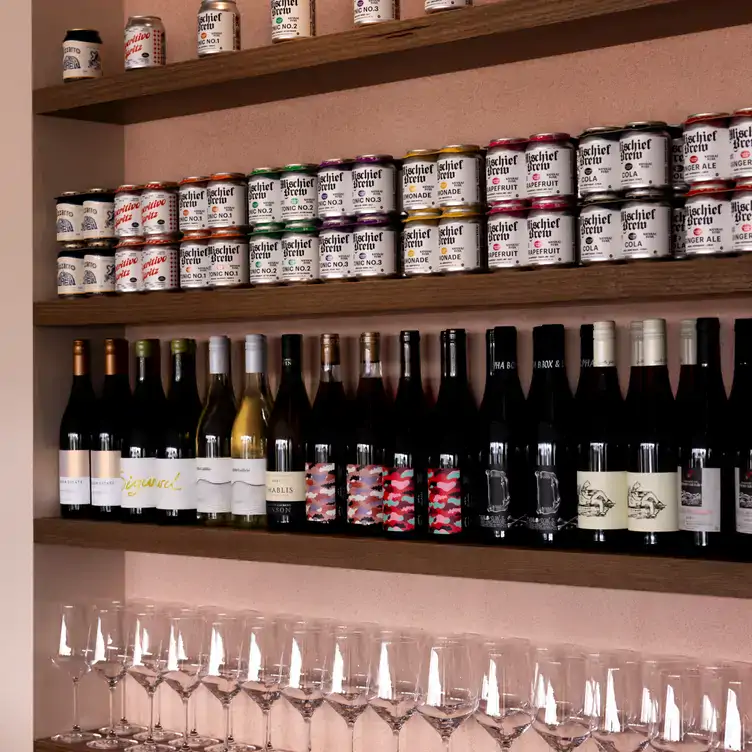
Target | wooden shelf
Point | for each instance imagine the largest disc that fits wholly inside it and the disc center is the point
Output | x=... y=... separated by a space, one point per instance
x=639 y=282
x=580 y=569
x=506 y=31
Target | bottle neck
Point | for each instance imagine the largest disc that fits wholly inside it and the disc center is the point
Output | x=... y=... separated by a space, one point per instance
x=453 y=362
x=331 y=373
x=370 y=369
x=147 y=370
x=291 y=371
x=254 y=384
x=410 y=361
x=183 y=372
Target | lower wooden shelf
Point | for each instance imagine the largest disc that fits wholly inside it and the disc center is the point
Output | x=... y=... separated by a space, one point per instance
x=502 y=563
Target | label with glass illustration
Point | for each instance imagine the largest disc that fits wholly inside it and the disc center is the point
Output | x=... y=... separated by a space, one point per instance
x=700 y=502
x=496 y=514
x=399 y=500
x=547 y=518
x=652 y=502
x=743 y=492
x=445 y=501
x=365 y=494
x=601 y=500
x=321 y=492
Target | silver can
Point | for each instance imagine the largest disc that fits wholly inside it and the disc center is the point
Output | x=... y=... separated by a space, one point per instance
x=264 y=196
x=160 y=266
x=420 y=242
x=266 y=257
x=600 y=228
x=678 y=224
x=98 y=221
x=145 y=43
x=335 y=187
x=374 y=246
x=226 y=194
x=420 y=183
x=300 y=252
x=706 y=147
x=159 y=208
x=646 y=224
x=299 y=195
x=99 y=267
x=218 y=27
x=598 y=162
x=645 y=155
x=506 y=172
x=549 y=164
x=708 y=218
x=740 y=144
x=459 y=169
x=374 y=183
x=460 y=239
x=128 y=211
x=228 y=249
x=293 y=19
x=69 y=216
x=193 y=204
x=550 y=232
x=507 y=235
x=741 y=217
x=336 y=248
x=195 y=261
x=676 y=132
x=70 y=270
x=366 y=12
x=128 y=254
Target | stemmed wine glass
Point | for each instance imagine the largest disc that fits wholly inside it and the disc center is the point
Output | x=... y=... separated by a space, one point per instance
x=448 y=685
x=736 y=709
x=394 y=685
x=504 y=708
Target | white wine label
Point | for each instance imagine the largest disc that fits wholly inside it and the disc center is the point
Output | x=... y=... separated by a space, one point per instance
x=214 y=485
x=700 y=502
x=248 y=487
x=74 y=477
x=138 y=488
x=743 y=492
x=653 y=502
x=285 y=487
x=176 y=484
x=218 y=31
x=105 y=479
x=601 y=500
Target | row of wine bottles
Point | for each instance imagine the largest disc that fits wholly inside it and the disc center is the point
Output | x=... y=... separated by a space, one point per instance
x=591 y=469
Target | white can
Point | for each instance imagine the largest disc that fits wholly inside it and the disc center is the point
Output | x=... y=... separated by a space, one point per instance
x=707 y=214
x=226 y=194
x=193 y=204
x=159 y=208
x=598 y=161
x=676 y=132
x=299 y=195
x=460 y=239
x=374 y=184
x=69 y=216
x=336 y=248
x=600 y=228
x=549 y=164
x=128 y=274
x=459 y=169
x=145 y=45
x=229 y=258
x=82 y=54
x=159 y=264
x=706 y=147
x=420 y=242
x=506 y=171
x=741 y=217
x=678 y=224
x=195 y=261
x=646 y=224
x=420 y=182
x=266 y=257
x=335 y=187
x=374 y=11
x=434 y=6
x=507 y=235
x=645 y=155
x=128 y=212
x=264 y=196
x=293 y=19
x=740 y=144
x=99 y=214
x=99 y=267
x=550 y=232
x=374 y=247
x=300 y=252
x=218 y=28
x=70 y=270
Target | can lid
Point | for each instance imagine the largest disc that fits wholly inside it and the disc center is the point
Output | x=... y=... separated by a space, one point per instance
x=196 y=235
x=72 y=245
x=605 y=197
x=301 y=225
x=131 y=242
x=709 y=186
x=155 y=185
x=552 y=203
x=743 y=112
x=646 y=125
x=194 y=179
x=161 y=240
x=538 y=138
x=743 y=184
x=461 y=212
x=680 y=191
x=264 y=171
x=706 y=117
x=646 y=193
x=335 y=162
x=135 y=19
x=460 y=149
x=374 y=220
x=509 y=142
x=372 y=158
x=676 y=131
x=300 y=167
x=268 y=228
x=336 y=223
x=509 y=205
x=421 y=153
x=103 y=247
x=228 y=176
x=421 y=215
x=66 y=197
x=600 y=130
x=128 y=188
x=229 y=232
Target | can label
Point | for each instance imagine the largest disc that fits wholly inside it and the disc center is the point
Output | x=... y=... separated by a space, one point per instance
x=507 y=241
x=459 y=245
x=264 y=199
x=69 y=218
x=300 y=253
x=98 y=220
x=81 y=60
x=128 y=275
x=375 y=251
x=420 y=185
x=677 y=160
x=335 y=192
x=708 y=222
x=550 y=238
x=600 y=234
x=144 y=47
x=678 y=232
x=598 y=165
x=550 y=170
x=292 y=18
x=373 y=188
x=459 y=179
x=194 y=207
x=506 y=174
x=420 y=248
x=299 y=196
x=128 y=215
x=218 y=31
x=432 y=5
x=229 y=262
x=706 y=152
x=70 y=276
x=741 y=222
x=336 y=250
x=228 y=204
x=195 y=263
x=159 y=212
x=99 y=273
x=646 y=230
x=159 y=267
x=740 y=147
x=266 y=260
x=644 y=160
x=374 y=11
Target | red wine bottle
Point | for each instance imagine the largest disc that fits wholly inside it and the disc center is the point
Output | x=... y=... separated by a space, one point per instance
x=740 y=418
x=586 y=362
x=688 y=367
x=635 y=370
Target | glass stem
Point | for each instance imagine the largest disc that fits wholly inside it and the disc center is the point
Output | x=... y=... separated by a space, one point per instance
x=447 y=742
x=228 y=733
x=76 y=724
x=123 y=703
x=111 y=730
x=396 y=733
x=150 y=738
x=158 y=724
x=267 y=730
x=309 y=744
x=351 y=729
x=194 y=732
x=185 y=746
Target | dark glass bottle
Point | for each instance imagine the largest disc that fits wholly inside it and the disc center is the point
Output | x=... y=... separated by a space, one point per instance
x=501 y=481
x=586 y=362
x=688 y=367
x=740 y=419
x=551 y=445
x=76 y=429
x=453 y=445
x=326 y=446
x=405 y=486
x=285 y=460
x=113 y=415
x=635 y=366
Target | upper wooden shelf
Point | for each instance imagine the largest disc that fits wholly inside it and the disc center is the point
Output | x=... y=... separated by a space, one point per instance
x=503 y=32
x=638 y=282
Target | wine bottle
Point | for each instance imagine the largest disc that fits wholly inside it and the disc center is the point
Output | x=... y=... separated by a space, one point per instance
x=214 y=438
x=76 y=438
x=740 y=418
x=176 y=465
x=285 y=458
x=703 y=450
x=369 y=445
x=687 y=368
x=326 y=446
x=586 y=363
x=635 y=370
x=453 y=444
x=501 y=487
x=405 y=484
x=602 y=453
x=249 y=432
x=145 y=437
x=551 y=452
x=112 y=418
x=653 y=459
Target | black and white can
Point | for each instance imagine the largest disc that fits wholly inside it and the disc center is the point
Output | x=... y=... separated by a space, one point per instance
x=128 y=211
x=706 y=147
x=159 y=208
x=366 y=12
x=507 y=234
x=293 y=19
x=740 y=144
x=374 y=246
x=70 y=270
x=459 y=170
x=99 y=267
x=708 y=218
x=336 y=248
x=600 y=228
x=646 y=224
x=99 y=214
x=264 y=196
x=218 y=27
x=741 y=217
x=550 y=232
x=676 y=132
x=69 y=216
x=335 y=188
x=145 y=43
x=82 y=59
x=299 y=194
x=374 y=184
x=678 y=223
x=645 y=155
x=506 y=170
x=228 y=249
x=461 y=239
x=420 y=242
x=193 y=204
x=300 y=251
x=227 y=196
x=160 y=266
x=128 y=275
x=598 y=161
x=435 y=6
x=420 y=182
x=549 y=164
x=195 y=261
x=266 y=256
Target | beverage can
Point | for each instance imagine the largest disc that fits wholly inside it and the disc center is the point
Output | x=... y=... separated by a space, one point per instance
x=218 y=27
x=367 y=12
x=506 y=172
x=706 y=147
x=550 y=232
x=374 y=184
x=69 y=216
x=145 y=45
x=507 y=234
x=600 y=228
x=460 y=243
x=300 y=251
x=740 y=144
x=98 y=214
x=420 y=184
x=82 y=49
x=435 y=6
x=335 y=187
x=420 y=242
x=374 y=246
x=266 y=257
x=228 y=249
x=676 y=132
x=598 y=161
x=99 y=267
x=128 y=211
x=646 y=224
x=128 y=274
x=336 y=248
x=264 y=195
x=159 y=264
x=226 y=195
x=193 y=204
x=678 y=223
x=293 y=19
x=741 y=217
x=708 y=218
x=549 y=164
x=70 y=270
x=459 y=170
x=299 y=194
x=159 y=208
x=195 y=260
x=645 y=155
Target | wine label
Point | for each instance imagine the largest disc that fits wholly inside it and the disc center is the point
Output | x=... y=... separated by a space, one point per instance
x=444 y=501
x=176 y=484
x=700 y=500
x=653 y=502
x=321 y=492
x=139 y=483
x=105 y=479
x=546 y=518
x=601 y=500
x=365 y=494
x=248 y=487
x=399 y=500
x=743 y=492
x=74 y=477
x=285 y=492
x=213 y=485
x=495 y=515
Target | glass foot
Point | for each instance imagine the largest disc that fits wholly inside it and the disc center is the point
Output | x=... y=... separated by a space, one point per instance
x=75 y=737
x=111 y=743
x=123 y=728
x=158 y=736
x=195 y=741
x=148 y=747
x=233 y=747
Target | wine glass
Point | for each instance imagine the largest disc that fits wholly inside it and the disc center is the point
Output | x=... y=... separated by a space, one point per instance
x=349 y=673
x=394 y=685
x=448 y=685
x=504 y=708
x=736 y=709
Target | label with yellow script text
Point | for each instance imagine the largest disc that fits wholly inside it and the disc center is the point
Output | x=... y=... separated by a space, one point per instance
x=105 y=479
x=74 y=477
x=139 y=483
x=176 y=484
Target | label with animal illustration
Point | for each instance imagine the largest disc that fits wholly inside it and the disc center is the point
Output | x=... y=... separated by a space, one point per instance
x=547 y=517
x=365 y=494
x=700 y=502
x=602 y=500
x=496 y=514
x=653 y=502
x=743 y=493
x=444 y=501
x=399 y=500
x=321 y=492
